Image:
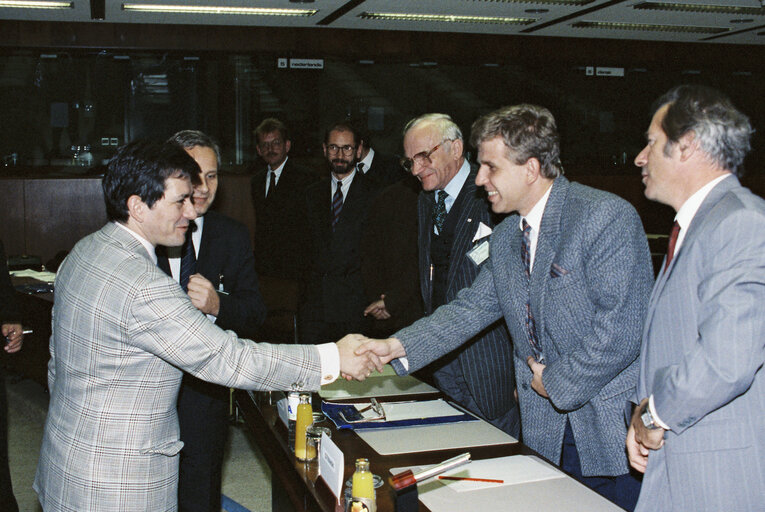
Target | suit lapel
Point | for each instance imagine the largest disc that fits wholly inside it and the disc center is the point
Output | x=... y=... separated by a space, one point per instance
x=547 y=242
x=465 y=207
x=425 y=206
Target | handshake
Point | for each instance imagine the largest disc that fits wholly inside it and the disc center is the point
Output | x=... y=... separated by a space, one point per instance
x=360 y=356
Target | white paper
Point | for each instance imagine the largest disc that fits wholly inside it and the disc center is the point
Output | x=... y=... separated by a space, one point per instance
x=331 y=465
x=46 y=277
x=482 y=231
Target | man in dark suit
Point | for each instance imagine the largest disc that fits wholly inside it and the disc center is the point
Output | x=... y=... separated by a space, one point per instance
x=453 y=217
x=334 y=299
x=699 y=430
x=225 y=287
x=12 y=337
x=280 y=220
x=380 y=169
x=571 y=275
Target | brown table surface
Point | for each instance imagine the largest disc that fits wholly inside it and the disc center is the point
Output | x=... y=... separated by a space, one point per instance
x=305 y=489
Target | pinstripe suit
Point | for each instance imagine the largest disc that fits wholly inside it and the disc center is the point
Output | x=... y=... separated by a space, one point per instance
x=588 y=321
x=702 y=359
x=485 y=362
x=123 y=331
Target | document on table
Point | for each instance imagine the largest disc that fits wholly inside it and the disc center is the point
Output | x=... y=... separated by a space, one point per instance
x=529 y=484
x=394 y=414
x=46 y=277
x=445 y=436
x=386 y=383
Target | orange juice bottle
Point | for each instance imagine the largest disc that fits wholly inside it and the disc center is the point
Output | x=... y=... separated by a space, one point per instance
x=304 y=419
x=363 y=488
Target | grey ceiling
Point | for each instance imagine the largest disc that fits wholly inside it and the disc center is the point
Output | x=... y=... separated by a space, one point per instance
x=670 y=19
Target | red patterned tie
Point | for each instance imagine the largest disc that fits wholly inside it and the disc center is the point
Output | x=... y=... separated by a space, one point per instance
x=672 y=241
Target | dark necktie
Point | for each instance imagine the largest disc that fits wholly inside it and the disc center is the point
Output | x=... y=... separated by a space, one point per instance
x=337 y=205
x=531 y=327
x=360 y=167
x=439 y=211
x=188 y=259
x=272 y=184
x=672 y=241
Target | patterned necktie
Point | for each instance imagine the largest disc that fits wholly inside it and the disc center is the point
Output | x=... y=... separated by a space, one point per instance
x=272 y=184
x=439 y=211
x=337 y=205
x=672 y=241
x=531 y=326
x=188 y=258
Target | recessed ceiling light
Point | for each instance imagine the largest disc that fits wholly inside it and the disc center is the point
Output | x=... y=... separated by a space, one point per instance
x=645 y=27
x=32 y=4
x=746 y=20
x=446 y=18
x=721 y=9
x=217 y=9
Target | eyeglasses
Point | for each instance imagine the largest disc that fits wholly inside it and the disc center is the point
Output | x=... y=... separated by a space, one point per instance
x=422 y=158
x=276 y=144
x=347 y=149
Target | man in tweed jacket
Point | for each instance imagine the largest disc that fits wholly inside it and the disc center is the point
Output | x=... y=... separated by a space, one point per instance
x=123 y=332
x=588 y=291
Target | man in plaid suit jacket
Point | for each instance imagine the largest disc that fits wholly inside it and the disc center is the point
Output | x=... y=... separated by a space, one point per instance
x=124 y=332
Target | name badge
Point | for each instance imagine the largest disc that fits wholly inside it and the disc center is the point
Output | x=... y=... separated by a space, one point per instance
x=479 y=253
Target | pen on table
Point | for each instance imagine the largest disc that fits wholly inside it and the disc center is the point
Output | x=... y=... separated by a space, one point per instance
x=490 y=480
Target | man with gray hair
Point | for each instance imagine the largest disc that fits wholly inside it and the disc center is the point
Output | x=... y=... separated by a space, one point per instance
x=570 y=272
x=698 y=432
x=454 y=222
x=221 y=282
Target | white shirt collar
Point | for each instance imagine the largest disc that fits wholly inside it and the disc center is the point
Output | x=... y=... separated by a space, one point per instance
x=534 y=218
x=454 y=186
x=278 y=170
x=146 y=244
x=367 y=161
x=691 y=205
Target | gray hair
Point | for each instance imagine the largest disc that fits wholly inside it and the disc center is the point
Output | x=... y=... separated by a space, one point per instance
x=528 y=131
x=723 y=132
x=446 y=127
x=188 y=139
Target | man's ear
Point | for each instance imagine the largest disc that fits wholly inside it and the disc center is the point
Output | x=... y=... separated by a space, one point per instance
x=533 y=170
x=287 y=146
x=688 y=144
x=457 y=147
x=136 y=208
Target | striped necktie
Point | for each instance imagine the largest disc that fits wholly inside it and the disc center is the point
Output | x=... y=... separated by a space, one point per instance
x=531 y=326
x=337 y=204
x=188 y=258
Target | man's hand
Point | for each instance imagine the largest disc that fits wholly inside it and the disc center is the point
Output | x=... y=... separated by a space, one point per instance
x=203 y=295
x=536 y=382
x=355 y=365
x=15 y=336
x=637 y=453
x=377 y=309
x=641 y=439
x=386 y=350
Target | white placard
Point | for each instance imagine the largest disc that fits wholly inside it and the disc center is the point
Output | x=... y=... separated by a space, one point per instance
x=331 y=465
x=307 y=63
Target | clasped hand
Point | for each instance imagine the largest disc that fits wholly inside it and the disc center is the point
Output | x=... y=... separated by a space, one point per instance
x=360 y=356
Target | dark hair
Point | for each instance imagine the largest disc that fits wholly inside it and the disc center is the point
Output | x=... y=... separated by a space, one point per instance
x=269 y=125
x=141 y=168
x=188 y=139
x=723 y=132
x=528 y=131
x=344 y=126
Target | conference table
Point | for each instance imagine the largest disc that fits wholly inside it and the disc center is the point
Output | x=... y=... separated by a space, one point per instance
x=297 y=485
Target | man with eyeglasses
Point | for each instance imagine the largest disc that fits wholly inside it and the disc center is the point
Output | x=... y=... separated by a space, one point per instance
x=454 y=222
x=337 y=206
x=280 y=221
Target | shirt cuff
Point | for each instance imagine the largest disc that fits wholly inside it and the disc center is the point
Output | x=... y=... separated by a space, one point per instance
x=405 y=363
x=656 y=419
x=329 y=356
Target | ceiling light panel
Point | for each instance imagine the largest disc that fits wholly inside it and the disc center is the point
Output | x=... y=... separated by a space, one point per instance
x=659 y=20
x=45 y=10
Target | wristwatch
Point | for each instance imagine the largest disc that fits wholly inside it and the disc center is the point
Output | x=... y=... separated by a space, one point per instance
x=648 y=420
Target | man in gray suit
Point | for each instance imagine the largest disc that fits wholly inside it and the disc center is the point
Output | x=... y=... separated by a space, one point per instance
x=699 y=430
x=571 y=274
x=451 y=212
x=123 y=332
